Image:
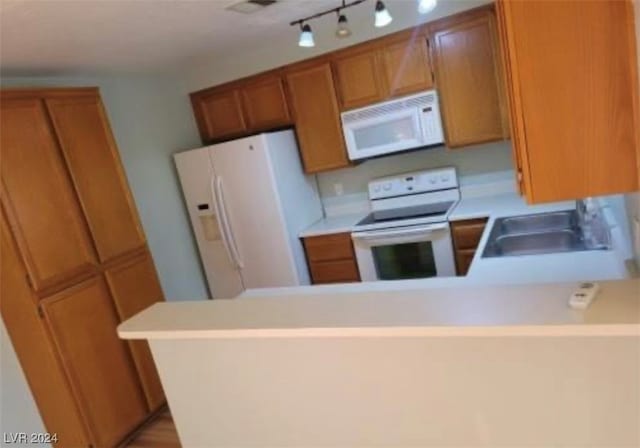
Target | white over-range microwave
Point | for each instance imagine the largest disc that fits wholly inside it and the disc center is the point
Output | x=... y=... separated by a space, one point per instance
x=397 y=125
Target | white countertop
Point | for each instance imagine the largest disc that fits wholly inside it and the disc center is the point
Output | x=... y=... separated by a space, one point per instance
x=333 y=224
x=506 y=204
x=516 y=310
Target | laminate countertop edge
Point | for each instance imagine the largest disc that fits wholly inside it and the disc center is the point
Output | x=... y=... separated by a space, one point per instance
x=472 y=311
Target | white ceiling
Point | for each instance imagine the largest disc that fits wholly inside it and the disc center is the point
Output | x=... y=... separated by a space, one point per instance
x=62 y=37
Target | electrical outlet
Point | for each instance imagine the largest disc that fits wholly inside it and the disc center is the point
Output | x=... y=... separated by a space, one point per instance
x=339 y=189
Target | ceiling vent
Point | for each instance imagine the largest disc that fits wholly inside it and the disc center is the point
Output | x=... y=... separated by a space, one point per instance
x=250 y=6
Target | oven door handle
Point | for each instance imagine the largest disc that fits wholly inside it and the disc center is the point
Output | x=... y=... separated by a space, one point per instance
x=398 y=233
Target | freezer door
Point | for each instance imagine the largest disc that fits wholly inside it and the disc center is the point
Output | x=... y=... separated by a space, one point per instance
x=196 y=177
x=256 y=226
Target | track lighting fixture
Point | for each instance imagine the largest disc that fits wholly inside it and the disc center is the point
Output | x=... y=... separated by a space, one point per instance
x=382 y=16
x=343 y=27
x=306 y=36
x=426 y=6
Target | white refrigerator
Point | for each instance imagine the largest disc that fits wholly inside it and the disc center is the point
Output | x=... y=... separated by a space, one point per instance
x=248 y=200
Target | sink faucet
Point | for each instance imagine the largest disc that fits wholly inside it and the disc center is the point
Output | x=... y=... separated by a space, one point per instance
x=592 y=223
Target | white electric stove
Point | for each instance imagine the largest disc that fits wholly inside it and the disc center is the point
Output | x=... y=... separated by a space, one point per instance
x=407 y=235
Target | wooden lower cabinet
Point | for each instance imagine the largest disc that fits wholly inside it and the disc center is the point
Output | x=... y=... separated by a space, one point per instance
x=466 y=236
x=135 y=286
x=331 y=258
x=82 y=322
x=36 y=352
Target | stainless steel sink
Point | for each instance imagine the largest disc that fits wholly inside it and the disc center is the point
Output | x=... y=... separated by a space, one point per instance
x=542 y=233
x=539 y=223
x=539 y=243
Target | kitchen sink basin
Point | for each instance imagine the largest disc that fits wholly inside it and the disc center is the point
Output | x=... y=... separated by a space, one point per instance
x=539 y=223
x=539 y=243
x=542 y=233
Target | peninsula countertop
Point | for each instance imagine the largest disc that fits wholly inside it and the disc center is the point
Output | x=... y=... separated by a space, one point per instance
x=513 y=310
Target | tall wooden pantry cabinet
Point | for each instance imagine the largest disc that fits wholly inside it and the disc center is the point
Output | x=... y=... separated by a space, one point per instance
x=75 y=264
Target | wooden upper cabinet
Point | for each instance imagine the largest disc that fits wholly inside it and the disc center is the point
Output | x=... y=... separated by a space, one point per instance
x=83 y=324
x=573 y=83
x=240 y=108
x=135 y=286
x=360 y=78
x=39 y=198
x=265 y=104
x=317 y=116
x=218 y=114
x=407 y=66
x=92 y=156
x=469 y=78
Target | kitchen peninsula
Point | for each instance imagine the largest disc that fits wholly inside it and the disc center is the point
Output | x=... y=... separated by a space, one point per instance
x=432 y=366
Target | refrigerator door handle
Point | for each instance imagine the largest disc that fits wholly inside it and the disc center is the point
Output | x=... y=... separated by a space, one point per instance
x=225 y=217
x=220 y=219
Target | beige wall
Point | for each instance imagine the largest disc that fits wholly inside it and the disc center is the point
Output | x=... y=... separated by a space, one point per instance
x=473 y=160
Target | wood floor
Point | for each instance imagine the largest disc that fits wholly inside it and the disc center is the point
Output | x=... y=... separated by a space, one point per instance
x=160 y=433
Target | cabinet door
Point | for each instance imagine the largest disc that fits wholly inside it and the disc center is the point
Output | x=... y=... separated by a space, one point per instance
x=38 y=195
x=407 y=66
x=92 y=156
x=134 y=286
x=360 y=79
x=47 y=381
x=83 y=322
x=574 y=89
x=317 y=117
x=218 y=114
x=265 y=104
x=469 y=79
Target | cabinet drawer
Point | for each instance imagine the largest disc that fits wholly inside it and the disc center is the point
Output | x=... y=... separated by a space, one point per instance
x=463 y=260
x=329 y=247
x=338 y=271
x=467 y=234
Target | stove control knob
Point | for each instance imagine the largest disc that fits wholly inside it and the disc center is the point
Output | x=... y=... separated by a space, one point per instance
x=433 y=180
x=376 y=188
x=444 y=177
x=387 y=186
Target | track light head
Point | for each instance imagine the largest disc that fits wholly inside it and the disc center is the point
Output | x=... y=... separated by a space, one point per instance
x=426 y=6
x=382 y=16
x=343 y=27
x=306 y=36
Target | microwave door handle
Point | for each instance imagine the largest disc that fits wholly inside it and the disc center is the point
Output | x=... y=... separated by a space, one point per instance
x=221 y=224
x=232 y=241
